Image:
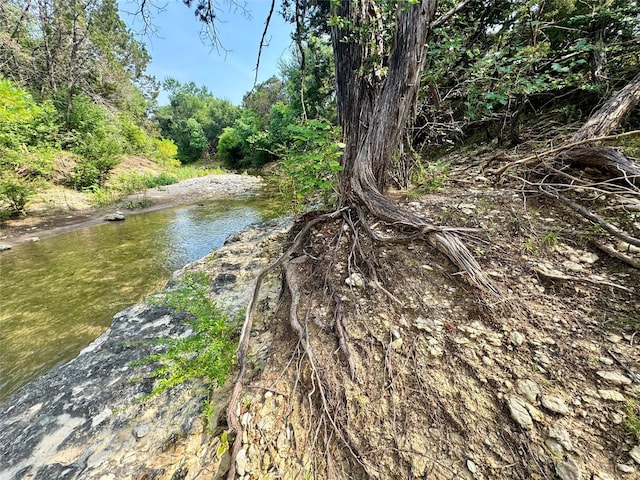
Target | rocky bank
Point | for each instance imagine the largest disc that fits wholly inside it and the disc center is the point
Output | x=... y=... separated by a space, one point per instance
x=84 y=419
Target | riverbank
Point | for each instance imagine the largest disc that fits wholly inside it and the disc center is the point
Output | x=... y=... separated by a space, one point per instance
x=65 y=216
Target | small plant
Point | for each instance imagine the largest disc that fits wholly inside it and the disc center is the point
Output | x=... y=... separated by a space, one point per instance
x=206 y=354
x=633 y=419
x=432 y=177
x=14 y=194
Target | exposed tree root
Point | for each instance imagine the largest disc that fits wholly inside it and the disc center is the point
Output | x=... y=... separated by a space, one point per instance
x=294 y=260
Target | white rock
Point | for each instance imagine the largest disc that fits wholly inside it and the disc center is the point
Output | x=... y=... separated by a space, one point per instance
x=518 y=409
x=516 y=338
x=613 y=395
x=355 y=280
x=625 y=468
x=472 y=466
x=635 y=453
x=557 y=432
x=589 y=258
x=241 y=462
x=616 y=378
x=568 y=470
x=554 y=404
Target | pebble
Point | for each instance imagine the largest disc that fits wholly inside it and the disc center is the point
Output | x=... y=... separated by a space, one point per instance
x=625 y=468
x=568 y=470
x=516 y=338
x=613 y=338
x=4 y=247
x=614 y=377
x=518 y=409
x=635 y=453
x=554 y=404
x=613 y=395
x=355 y=280
x=472 y=466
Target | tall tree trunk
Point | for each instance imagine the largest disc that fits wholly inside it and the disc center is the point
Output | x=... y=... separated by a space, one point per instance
x=609 y=116
x=373 y=106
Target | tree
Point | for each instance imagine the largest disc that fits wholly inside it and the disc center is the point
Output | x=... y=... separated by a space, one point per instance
x=379 y=48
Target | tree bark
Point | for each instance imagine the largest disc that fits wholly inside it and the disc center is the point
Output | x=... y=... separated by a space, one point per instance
x=609 y=116
x=375 y=92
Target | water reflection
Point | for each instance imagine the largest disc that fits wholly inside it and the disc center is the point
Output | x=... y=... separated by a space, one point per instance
x=59 y=294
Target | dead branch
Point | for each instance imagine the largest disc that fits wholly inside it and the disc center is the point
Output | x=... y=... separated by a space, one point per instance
x=592 y=217
x=619 y=255
x=560 y=276
x=539 y=156
x=267 y=24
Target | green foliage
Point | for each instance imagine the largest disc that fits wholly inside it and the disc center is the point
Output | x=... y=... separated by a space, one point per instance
x=165 y=152
x=208 y=353
x=246 y=144
x=135 y=140
x=22 y=120
x=14 y=194
x=309 y=167
x=190 y=139
x=633 y=419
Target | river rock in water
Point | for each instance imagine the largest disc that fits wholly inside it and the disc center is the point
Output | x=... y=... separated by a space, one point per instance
x=85 y=419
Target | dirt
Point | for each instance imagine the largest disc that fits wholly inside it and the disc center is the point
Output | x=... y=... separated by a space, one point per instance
x=407 y=371
x=61 y=210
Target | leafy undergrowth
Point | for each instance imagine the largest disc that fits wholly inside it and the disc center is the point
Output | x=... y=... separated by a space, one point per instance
x=415 y=375
x=206 y=354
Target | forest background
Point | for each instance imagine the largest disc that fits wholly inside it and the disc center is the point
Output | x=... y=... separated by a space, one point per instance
x=75 y=97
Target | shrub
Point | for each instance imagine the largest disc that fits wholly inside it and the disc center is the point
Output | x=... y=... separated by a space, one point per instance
x=22 y=120
x=165 y=152
x=14 y=194
x=208 y=353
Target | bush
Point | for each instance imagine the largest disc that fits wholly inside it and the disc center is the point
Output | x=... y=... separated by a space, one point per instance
x=309 y=166
x=14 y=194
x=165 y=152
x=22 y=120
x=191 y=140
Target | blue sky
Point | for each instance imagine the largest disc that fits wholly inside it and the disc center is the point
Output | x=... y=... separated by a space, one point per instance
x=177 y=50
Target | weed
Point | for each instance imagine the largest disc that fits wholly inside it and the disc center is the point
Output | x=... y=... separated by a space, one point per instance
x=633 y=419
x=208 y=353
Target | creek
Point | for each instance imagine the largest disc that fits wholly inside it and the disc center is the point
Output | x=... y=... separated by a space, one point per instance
x=59 y=294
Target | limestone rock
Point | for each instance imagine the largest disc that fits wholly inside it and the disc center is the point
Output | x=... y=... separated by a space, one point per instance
x=558 y=433
x=528 y=389
x=4 y=247
x=115 y=217
x=635 y=453
x=613 y=395
x=516 y=338
x=554 y=404
x=519 y=412
x=568 y=470
x=616 y=378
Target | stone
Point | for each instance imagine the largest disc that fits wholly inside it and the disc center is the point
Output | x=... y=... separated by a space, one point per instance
x=625 y=468
x=589 y=258
x=4 y=247
x=528 y=389
x=635 y=454
x=114 y=217
x=241 y=462
x=613 y=395
x=519 y=412
x=516 y=338
x=568 y=470
x=536 y=414
x=616 y=378
x=554 y=447
x=558 y=433
x=554 y=404
x=355 y=280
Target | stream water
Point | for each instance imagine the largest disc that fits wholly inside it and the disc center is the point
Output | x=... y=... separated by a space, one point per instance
x=57 y=295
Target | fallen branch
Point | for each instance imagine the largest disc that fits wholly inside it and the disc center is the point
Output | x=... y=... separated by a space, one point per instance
x=619 y=255
x=595 y=219
x=538 y=156
x=560 y=276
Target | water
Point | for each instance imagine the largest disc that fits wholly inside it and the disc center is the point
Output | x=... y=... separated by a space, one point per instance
x=59 y=294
